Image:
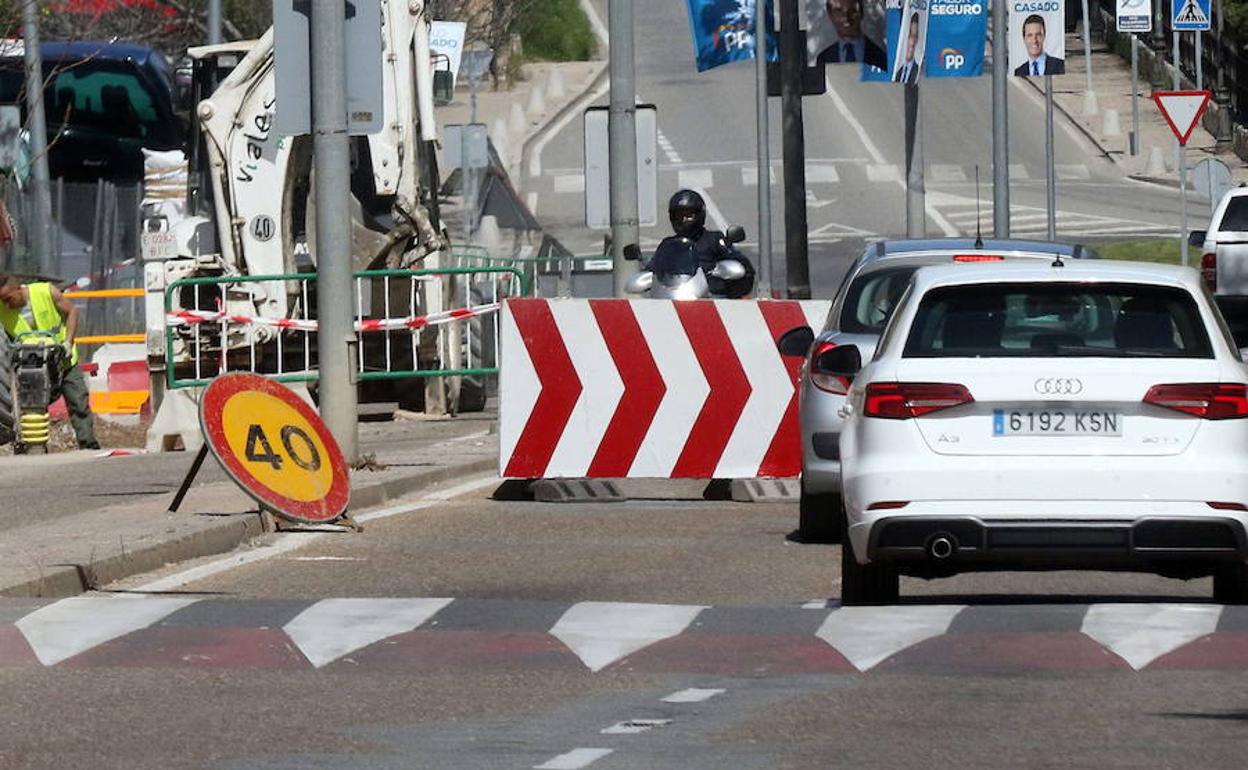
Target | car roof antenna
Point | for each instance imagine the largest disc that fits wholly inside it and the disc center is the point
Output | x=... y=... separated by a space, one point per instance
x=1057 y=260
x=979 y=234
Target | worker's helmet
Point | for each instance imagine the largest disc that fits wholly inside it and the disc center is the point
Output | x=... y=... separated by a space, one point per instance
x=687 y=212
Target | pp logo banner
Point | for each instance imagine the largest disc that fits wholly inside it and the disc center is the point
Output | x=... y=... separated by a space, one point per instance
x=955 y=36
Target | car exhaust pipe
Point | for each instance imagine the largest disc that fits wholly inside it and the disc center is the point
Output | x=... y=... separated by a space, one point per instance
x=941 y=546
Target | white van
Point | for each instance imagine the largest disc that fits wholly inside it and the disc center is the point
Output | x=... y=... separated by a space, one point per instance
x=1224 y=259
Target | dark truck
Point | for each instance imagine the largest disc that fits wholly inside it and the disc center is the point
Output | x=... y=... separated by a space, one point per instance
x=105 y=103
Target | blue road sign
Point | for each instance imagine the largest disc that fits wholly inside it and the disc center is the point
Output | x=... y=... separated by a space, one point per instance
x=1190 y=14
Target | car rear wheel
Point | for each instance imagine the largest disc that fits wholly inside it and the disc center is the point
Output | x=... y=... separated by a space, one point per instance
x=865 y=584
x=1230 y=584
x=819 y=518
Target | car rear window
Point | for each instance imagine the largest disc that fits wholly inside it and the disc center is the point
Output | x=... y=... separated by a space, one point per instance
x=871 y=298
x=1235 y=217
x=1058 y=320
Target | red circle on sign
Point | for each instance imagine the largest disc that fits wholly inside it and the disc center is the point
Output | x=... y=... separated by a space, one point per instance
x=211 y=416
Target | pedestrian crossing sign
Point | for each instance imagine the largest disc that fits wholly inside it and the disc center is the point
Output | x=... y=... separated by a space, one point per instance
x=1190 y=14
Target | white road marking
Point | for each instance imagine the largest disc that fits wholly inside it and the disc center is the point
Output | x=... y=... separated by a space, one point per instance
x=634 y=726
x=947 y=173
x=749 y=175
x=1072 y=171
x=884 y=172
x=693 y=695
x=326 y=558
x=669 y=150
x=878 y=157
x=821 y=174
x=292 y=541
x=72 y=626
x=712 y=210
x=867 y=636
x=601 y=633
x=332 y=628
x=696 y=178
x=574 y=759
x=570 y=183
x=1141 y=633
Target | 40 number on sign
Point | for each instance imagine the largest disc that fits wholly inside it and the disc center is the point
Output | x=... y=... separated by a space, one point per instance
x=275 y=447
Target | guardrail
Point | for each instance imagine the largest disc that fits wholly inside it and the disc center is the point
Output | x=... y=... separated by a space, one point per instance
x=206 y=336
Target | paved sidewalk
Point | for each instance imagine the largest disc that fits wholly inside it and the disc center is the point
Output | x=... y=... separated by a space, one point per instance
x=1111 y=81
x=59 y=536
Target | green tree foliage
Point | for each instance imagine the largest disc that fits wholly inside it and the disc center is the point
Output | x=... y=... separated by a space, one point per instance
x=556 y=30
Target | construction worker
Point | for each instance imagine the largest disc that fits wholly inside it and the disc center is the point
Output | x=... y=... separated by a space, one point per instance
x=42 y=307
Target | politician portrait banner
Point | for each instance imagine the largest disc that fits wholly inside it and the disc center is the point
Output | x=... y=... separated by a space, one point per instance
x=956 y=31
x=907 y=55
x=1037 y=37
x=846 y=32
x=723 y=31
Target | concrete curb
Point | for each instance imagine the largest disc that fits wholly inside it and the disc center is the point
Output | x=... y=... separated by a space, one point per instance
x=1057 y=105
x=526 y=147
x=222 y=536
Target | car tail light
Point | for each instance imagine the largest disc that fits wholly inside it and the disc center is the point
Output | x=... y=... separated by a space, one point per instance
x=903 y=400
x=1220 y=506
x=1209 y=270
x=1207 y=400
x=823 y=379
x=978 y=258
x=888 y=505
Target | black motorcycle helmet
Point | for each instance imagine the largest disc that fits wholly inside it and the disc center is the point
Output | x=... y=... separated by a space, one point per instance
x=687 y=212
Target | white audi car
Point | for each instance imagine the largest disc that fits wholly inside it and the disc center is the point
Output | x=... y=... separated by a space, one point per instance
x=1078 y=415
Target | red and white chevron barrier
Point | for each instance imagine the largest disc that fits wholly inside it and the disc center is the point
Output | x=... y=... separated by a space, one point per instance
x=188 y=317
x=645 y=388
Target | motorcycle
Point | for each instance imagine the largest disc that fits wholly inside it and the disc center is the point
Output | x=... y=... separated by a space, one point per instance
x=684 y=286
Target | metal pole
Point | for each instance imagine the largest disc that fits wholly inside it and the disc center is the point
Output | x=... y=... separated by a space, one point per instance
x=1000 y=123
x=916 y=195
x=41 y=186
x=1200 y=63
x=792 y=60
x=622 y=138
x=214 y=22
x=336 y=339
x=1135 y=94
x=1183 y=203
x=764 y=151
x=1087 y=46
x=1050 y=168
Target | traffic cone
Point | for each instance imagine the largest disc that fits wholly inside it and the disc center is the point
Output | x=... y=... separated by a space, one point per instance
x=515 y=119
x=1109 y=123
x=537 y=102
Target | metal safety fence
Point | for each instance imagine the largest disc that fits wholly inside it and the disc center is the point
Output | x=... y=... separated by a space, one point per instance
x=410 y=324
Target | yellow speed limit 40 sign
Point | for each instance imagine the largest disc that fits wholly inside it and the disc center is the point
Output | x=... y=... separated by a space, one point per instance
x=275 y=447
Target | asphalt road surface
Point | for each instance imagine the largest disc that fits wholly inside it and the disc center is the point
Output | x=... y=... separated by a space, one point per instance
x=481 y=633
x=855 y=159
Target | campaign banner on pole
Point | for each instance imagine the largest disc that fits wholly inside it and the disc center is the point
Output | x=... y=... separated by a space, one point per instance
x=848 y=32
x=1190 y=15
x=1037 y=37
x=956 y=30
x=1134 y=15
x=723 y=32
x=907 y=55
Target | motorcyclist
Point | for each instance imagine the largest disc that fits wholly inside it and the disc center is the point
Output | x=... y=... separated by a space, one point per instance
x=692 y=246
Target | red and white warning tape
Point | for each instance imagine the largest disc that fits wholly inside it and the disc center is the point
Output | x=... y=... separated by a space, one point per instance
x=191 y=317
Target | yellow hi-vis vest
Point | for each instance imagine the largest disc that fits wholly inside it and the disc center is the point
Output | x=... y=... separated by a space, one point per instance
x=47 y=317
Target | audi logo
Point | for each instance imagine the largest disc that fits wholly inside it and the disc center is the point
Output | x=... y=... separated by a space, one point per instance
x=1059 y=386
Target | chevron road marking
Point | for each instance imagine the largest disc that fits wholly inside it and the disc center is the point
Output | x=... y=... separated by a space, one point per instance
x=600 y=633
x=72 y=626
x=1141 y=633
x=332 y=628
x=867 y=636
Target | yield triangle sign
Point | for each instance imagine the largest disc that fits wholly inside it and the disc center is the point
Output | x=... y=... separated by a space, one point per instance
x=1182 y=110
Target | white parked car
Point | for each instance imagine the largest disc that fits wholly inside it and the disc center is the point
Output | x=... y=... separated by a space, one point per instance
x=1078 y=415
x=1224 y=258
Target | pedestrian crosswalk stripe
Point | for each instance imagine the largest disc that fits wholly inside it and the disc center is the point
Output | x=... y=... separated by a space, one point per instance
x=749 y=176
x=947 y=173
x=883 y=172
x=696 y=177
x=822 y=174
x=1018 y=172
x=570 y=183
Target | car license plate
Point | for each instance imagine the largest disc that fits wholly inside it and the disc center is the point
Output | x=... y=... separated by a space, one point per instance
x=1056 y=422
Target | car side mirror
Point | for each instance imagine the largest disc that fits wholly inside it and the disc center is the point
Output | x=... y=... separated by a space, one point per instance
x=632 y=253
x=843 y=361
x=1197 y=238
x=735 y=234
x=729 y=270
x=640 y=283
x=796 y=341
